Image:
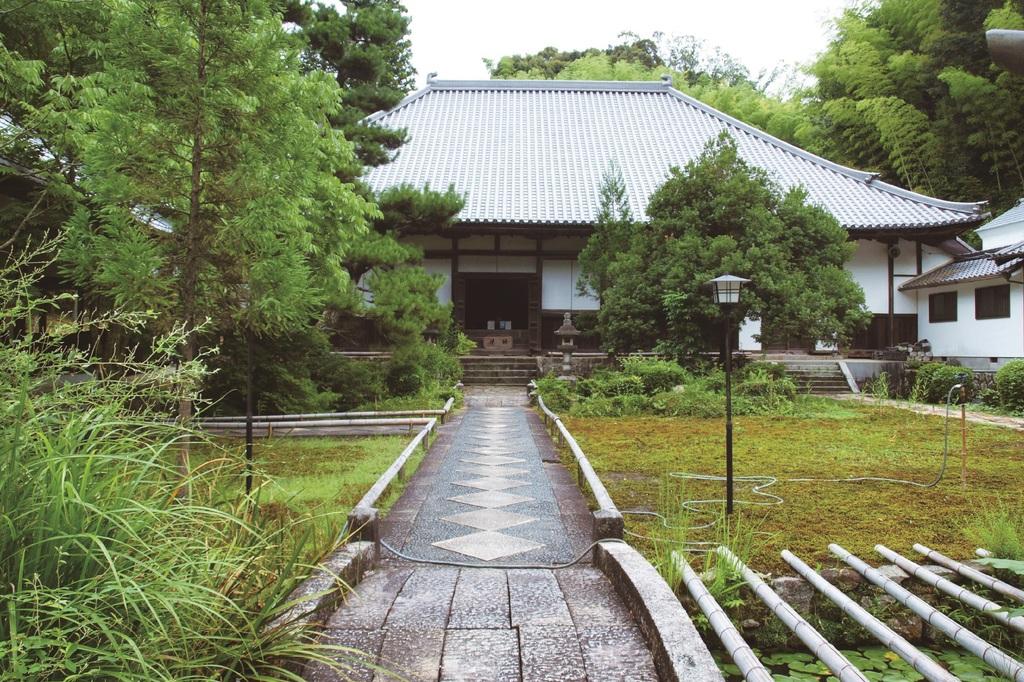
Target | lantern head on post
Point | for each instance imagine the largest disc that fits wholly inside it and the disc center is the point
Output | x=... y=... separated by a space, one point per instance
x=566 y=333
x=726 y=289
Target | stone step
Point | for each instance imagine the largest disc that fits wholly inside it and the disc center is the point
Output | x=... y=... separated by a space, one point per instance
x=522 y=374
x=496 y=381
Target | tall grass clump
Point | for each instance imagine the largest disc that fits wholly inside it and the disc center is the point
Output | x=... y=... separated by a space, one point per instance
x=108 y=572
x=1000 y=530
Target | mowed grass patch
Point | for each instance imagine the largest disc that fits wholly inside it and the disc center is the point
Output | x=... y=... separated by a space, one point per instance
x=634 y=455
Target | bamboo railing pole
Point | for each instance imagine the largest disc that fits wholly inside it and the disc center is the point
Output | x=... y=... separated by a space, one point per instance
x=1004 y=664
x=812 y=639
x=737 y=648
x=976 y=601
x=977 y=576
x=879 y=630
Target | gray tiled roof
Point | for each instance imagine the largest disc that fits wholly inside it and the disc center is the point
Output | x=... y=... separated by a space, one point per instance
x=1009 y=252
x=969 y=268
x=1014 y=215
x=535 y=152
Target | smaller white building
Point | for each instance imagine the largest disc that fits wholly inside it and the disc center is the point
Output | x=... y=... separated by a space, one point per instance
x=971 y=308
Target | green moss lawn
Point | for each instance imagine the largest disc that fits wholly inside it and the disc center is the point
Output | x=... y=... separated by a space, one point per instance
x=831 y=440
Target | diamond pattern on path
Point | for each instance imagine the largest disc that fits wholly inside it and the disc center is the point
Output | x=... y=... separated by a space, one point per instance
x=489 y=519
x=488 y=545
x=493 y=459
x=492 y=483
x=492 y=470
x=490 y=499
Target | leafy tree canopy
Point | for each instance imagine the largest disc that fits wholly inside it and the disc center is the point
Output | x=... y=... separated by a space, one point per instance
x=721 y=215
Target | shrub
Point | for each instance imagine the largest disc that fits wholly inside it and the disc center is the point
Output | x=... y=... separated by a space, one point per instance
x=692 y=401
x=607 y=384
x=1010 y=386
x=557 y=394
x=767 y=385
x=657 y=375
x=613 y=406
x=775 y=370
x=935 y=379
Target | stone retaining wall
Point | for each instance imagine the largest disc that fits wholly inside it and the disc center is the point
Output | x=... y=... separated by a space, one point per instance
x=582 y=366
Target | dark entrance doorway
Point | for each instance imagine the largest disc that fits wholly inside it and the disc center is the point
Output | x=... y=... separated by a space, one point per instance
x=496 y=300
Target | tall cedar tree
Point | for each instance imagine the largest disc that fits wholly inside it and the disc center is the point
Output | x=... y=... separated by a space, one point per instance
x=366 y=49
x=720 y=215
x=212 y=168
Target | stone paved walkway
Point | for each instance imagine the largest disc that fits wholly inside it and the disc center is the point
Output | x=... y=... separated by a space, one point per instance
x=490 y=492
x=973 y=416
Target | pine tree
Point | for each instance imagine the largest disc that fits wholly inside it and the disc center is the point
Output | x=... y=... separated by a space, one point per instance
x=367 y=49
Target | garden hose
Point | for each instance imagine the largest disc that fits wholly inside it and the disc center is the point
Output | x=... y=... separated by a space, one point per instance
x=768 y=499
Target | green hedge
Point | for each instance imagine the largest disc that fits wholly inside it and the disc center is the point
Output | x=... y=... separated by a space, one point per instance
x=1010 y=386
x=935 y=379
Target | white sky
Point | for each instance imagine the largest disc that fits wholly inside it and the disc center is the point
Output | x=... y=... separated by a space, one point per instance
x=452 y=37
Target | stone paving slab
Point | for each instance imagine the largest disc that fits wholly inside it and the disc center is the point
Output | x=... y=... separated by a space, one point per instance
x=551 y=654
x=481 y=600
x=536 y=599
x=425 y=599
x=357 y=665
x=472 y=655
x=616 y=653
x=412 y=653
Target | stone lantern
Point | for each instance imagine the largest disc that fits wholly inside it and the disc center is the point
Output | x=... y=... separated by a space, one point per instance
x=566 y=333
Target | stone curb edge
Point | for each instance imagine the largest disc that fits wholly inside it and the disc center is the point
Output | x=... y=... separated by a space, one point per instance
x=319 y=594
x=678 y=650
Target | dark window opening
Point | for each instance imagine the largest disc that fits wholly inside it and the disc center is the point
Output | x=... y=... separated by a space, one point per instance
x=496 y=300
x=942 y=307
x=992 y=302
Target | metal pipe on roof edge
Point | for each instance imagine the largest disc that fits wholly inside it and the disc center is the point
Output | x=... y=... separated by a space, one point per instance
x=977 y=576
x=737 y=648
x=879 y=630
x=975 y=601
x=1003 y=663
x=826 y=652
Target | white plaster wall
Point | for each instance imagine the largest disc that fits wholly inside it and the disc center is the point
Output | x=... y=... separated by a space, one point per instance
x=748 y=330
x=559 y=287
x=933 y=257
x=968 y=337
x=870 y=269
x=441 y=266
x=1004 y=235
x=497 y=263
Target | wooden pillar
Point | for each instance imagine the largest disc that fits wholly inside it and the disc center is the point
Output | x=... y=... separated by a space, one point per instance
x=891 y=332
x=458 y=288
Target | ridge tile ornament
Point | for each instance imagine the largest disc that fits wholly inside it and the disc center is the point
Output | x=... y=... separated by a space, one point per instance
x=491 y=499
x=489 y=519
x=488 y=545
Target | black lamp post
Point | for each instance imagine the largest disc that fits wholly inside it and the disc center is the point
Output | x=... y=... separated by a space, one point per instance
x=727 y=294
